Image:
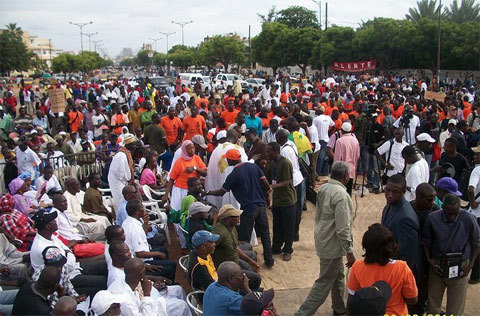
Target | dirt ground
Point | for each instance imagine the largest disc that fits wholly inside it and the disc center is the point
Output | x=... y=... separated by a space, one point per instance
x=292 y=280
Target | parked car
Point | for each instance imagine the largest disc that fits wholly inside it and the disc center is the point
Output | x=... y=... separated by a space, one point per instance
x=255 y=82
x=222 y=81
x=160 y=83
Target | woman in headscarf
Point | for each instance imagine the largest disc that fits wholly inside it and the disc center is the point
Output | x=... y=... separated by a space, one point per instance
x=187 y=166
x=17 y=227
x=22 y=203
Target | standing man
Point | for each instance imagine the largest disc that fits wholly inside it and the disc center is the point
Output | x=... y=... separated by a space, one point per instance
x=154 y=135
x=323 y=123
x=474 y=199
x=333 y=240
x=419 y=172
x=392 y=149
x=173 y=128
x=347 y=149
x=250 y=187
x=284 y=199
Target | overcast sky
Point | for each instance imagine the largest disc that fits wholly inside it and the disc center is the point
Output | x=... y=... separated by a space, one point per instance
x=129 y=23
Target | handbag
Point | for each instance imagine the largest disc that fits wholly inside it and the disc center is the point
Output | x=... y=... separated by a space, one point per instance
x=451 y=262
x=88 y=250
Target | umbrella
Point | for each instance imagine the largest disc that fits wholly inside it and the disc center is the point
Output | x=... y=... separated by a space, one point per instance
x=46 y=76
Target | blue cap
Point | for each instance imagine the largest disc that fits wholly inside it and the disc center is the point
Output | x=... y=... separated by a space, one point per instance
x=450 y=185
x=203 y=236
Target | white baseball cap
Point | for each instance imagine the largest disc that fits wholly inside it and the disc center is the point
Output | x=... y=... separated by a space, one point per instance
x=425 y=137
x=452 y=121
x=347 y=127
x=104 y=299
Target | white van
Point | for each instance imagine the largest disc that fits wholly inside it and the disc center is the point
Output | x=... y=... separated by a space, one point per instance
x=191 y=78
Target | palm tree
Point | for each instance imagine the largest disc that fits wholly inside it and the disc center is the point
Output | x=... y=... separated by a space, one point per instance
x=425 y=9
x=12 y=27
x=467 y=11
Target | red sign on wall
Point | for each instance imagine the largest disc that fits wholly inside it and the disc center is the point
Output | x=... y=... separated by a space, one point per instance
x=354 y=66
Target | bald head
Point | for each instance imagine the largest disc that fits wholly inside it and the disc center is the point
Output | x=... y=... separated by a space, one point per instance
x=134 y=269
x=66 y=305
x=424 y=189
x=72 y=185
x=227 y=269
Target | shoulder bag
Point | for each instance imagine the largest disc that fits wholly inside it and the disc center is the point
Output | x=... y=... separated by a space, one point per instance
x=451 y=262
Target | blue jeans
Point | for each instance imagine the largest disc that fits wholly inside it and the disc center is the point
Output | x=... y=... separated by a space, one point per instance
x=6 y=301
x=322 y=165
x=373 y=171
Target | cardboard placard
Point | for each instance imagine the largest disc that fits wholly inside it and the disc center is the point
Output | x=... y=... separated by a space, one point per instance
x=57 y=100
x=439 y=96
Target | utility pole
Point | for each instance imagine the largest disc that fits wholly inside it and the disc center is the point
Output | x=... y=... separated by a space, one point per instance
x=155 y=40
x=182 y=24
x=89 y=35
x=319 y=2
x=326 y=15
x=167 y=35
x=439 y=43
x=95 y=43
x=81 y=25
x=50 y=50
x=249 y=49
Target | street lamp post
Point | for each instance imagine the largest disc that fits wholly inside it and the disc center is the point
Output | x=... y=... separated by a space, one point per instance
x=439 y=43
x=167 y=35
x=319 y=2
x=182 y=24
x=81 y=25
x=155 y=40
x=95 y=43
x=89 y=35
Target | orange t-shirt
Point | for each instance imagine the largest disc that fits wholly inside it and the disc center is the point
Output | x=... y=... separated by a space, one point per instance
x=75 y=120
x=193 y=126
x=178 y=174
x=171 y=128
x=343 y=116
x=229 y=117
x=329 y=110
x=399 y=112
x=199 y=101
x=338 y=124
x=396 y=273
x=467 y=109
x=217 y=108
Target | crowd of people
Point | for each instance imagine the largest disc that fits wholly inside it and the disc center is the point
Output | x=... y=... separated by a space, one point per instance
x=79 y=220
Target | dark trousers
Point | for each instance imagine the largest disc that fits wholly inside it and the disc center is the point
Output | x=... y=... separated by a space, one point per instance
x=283 y=228
x=256 y=216
x=475 y=276
x=92 y=279
x=168 y=267
x=421 y=278
x=254 y=279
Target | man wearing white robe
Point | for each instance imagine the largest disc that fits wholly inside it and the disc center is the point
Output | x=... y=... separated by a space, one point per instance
x=218 y=170
x=120 y=174
x=92 y=226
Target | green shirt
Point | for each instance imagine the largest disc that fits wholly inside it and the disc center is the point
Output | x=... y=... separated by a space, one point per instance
x=5 y=123
x=226 y=246
x=154 y=136
x=146 y=117
x=282 y=170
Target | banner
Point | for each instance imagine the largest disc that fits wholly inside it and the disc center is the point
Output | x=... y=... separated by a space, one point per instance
x=354 y=66
x=57 y=100
x=430 y=95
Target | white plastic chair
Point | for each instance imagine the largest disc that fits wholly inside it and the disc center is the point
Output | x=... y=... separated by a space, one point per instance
x=194 y=303
x=183 y=262
x=162 y=221
x=148 y=193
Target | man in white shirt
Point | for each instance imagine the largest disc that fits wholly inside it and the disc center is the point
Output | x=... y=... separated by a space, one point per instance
x=174 y=295
x=289 y=150
x=409 y=123
x=323 y=123
x=27 y=159
x=65 y=227
x=315 y=141
x=392 y=150
x=139 y=293
x=135 y=237
x=451 y=128
x=87 y=278
x=269 y=135
x=92 y=226
x=419 y=171
x=474 y=199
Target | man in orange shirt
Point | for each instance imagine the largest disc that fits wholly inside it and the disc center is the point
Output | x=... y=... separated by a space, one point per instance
x=194 y=125
x=467 y=107
x=173 y=128
x=119 y=120
x=230 y=115
x=199 y=101
x=75 y=119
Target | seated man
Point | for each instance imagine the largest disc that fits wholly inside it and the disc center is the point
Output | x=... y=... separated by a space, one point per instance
x=135 y=237
x=92 y=226
x=201 y=270
x=129 y=193
x=227 y=247
x=93 y=201
x=222 y=297
x=31 y=298
x=105 y=303
x=138 y=291
x=173 y=294
x=198 y=215
x=12 y=259
x=48 y=181
x=87 y=278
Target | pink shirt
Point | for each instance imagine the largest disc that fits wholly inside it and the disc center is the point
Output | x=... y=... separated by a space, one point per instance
x=147 y=177
x=347 y=150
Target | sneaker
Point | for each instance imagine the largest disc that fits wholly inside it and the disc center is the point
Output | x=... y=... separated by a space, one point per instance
x=287 y=256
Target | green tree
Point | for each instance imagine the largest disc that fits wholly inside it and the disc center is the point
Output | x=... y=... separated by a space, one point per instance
x=297 y=17
x=14 y=54
x=268 y=47
x=269 y=17
x=299 y=46
x=142 y=58
x=225 y=49
x=468 y=10
x=424 y=9
x=334 y=45
x=65 y=63
x=159 y=59
x=127 y=62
